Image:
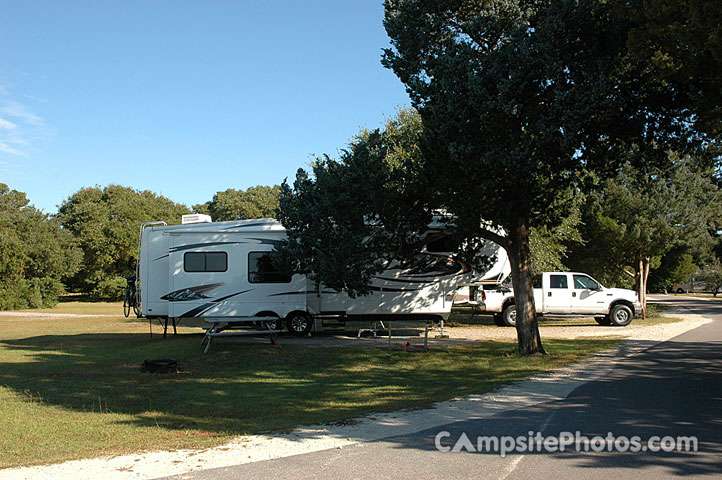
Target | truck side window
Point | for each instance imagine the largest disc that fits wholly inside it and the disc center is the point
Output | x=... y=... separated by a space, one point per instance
x=205 y=262
x=262 y=270
x=582 y=282
x=558 y=281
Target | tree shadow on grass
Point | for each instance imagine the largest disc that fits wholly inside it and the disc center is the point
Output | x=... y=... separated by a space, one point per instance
x=244 y=388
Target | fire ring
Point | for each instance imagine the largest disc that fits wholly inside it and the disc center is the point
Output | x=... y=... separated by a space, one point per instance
x=161 y=365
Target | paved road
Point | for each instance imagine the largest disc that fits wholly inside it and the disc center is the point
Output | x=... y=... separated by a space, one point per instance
x=672 y=389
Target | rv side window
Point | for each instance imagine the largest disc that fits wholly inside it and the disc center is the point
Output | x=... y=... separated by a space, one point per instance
x=261 y=269
x=205 y=262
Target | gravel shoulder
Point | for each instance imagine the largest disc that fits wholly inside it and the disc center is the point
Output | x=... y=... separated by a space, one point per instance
x=541 y=388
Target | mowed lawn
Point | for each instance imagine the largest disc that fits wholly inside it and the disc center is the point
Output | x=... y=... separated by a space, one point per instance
x=72 y=388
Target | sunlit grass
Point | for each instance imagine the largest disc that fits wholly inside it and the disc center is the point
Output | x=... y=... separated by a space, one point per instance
x=67 y=305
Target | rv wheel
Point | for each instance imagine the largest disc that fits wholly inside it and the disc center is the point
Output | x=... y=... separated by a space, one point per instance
x=299 y=323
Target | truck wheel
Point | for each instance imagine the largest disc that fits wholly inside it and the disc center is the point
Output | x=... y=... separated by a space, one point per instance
x=603 y=320
x=299 y=323
x=679 y=290
x=498 y=320
x=621 y=315
x=509 y=316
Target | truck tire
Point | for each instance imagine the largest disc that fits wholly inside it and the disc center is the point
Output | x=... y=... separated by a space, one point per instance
x=299 y=323
x=509 y=316
x=498 y=320
x=603 y=320
x=621 y=315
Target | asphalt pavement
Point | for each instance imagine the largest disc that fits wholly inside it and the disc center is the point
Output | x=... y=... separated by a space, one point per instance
x=671 y=390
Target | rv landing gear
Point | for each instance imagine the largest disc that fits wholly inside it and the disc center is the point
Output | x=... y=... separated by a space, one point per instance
x=164 y=324
x=275 y=324
x=299 y=323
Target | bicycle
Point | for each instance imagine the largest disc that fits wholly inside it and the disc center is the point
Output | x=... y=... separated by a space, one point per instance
x=129 y=299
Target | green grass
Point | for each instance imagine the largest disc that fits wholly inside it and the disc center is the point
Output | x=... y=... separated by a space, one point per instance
x=463 y=317
x=84 y=308
x=72 y=388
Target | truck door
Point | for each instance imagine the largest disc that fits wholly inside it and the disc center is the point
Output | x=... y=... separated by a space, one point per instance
x=587 y=297
x=557 y=294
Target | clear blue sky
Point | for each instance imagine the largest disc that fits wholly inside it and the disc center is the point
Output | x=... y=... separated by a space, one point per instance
x=184 y=98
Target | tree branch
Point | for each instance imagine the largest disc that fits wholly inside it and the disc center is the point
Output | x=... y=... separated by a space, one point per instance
x=623 y=269
x=496 y=238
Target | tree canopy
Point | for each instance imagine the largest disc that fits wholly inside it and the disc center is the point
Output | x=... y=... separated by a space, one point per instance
x=525 y=101
x=105 y=222
x=35 y=254
x=348 y=217
x=255 y=202
x=637 y=217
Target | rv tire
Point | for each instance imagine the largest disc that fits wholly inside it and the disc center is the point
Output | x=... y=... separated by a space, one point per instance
x=299 y=323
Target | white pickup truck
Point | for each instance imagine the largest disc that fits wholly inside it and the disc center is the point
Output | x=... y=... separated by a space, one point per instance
x=560 y=294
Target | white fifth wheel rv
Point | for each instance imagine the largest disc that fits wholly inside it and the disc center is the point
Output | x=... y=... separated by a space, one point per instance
x=221 y=272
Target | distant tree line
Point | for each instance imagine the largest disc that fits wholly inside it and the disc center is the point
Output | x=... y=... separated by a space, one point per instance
x=36 y=254
x=92 y=242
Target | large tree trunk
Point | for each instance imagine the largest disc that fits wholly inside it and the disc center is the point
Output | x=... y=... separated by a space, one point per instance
x=527 y=328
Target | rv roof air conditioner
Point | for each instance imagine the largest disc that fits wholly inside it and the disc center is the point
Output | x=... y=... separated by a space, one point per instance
x=196 y=218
